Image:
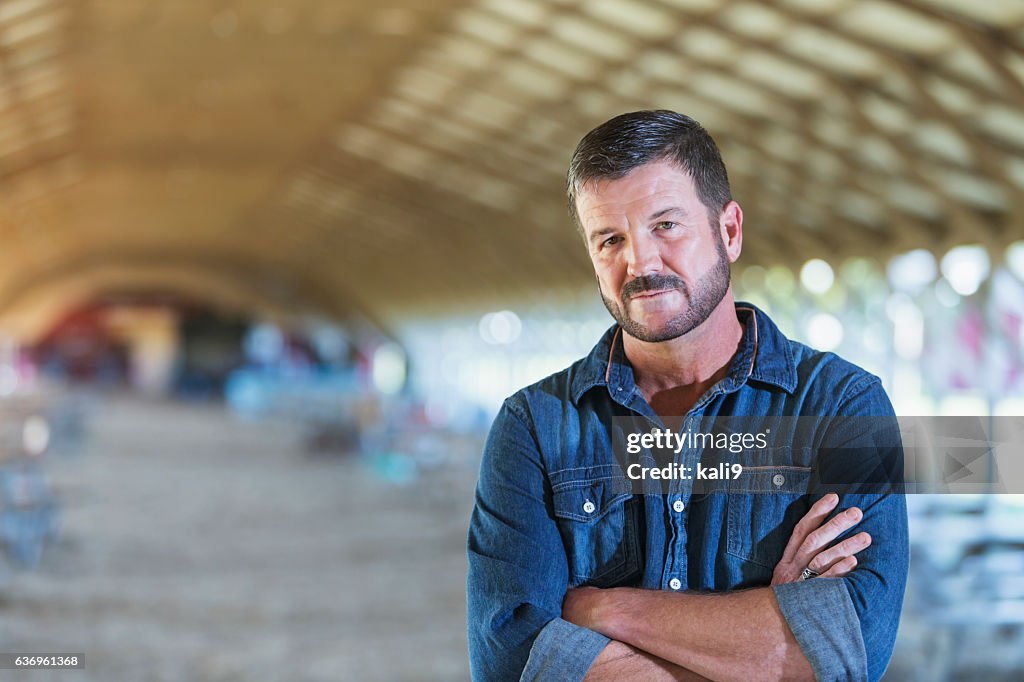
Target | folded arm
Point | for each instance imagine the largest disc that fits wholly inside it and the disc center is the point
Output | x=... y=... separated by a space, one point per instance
x=840 y=626
x=732 y=636
x=738 y=635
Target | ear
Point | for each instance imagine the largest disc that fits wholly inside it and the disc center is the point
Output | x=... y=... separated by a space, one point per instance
x=730 y=227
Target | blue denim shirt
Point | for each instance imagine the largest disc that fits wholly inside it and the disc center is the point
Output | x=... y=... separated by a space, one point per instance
x=548 y=516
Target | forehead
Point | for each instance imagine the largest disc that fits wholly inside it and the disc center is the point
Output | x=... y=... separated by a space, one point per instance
x=653 y=186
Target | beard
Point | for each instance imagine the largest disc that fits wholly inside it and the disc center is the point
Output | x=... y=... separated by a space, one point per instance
x=701 y=302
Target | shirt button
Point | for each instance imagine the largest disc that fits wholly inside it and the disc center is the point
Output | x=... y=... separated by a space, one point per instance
x=678 y=505
x=589 y=507
x=778 y=479
x=675 y=583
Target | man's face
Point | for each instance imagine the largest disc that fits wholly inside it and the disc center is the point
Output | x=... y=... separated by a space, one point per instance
x=662 y=267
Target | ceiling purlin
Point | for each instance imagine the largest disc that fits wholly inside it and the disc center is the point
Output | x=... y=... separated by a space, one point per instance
x=385 y=192
x=983 y=154
x=880 y=47
x=498 y=167
x=954 y=210
x=378 y=178
x=413 y=259
x=1001 y=35
x=910 y=68
x=499 y=137
x=320 y=152
x=845 y=88
x=984 y=46
x=42 y=149
x=480 y=80
x=378 y=185
x=364 y=230
x=491 y=165
x=799 y=242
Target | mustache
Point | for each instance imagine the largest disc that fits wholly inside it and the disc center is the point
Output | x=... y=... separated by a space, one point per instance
x=648 y=283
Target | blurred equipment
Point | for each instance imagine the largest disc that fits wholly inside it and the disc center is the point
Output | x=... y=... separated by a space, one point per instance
x=28 y=507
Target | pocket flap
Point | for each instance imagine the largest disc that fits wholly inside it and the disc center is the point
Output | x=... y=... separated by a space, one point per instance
x=588 y=500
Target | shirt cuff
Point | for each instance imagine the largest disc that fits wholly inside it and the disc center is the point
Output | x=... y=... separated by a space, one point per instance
x=824 y=622
x=563 y=651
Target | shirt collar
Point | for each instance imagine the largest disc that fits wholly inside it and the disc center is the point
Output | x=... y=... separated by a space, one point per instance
x=773 y=362
x=764 y=355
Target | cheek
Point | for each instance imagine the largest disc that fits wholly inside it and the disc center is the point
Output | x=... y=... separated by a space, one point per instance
x=607 y=280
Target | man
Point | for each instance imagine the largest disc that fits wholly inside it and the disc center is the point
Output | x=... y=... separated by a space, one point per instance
x=572 y=575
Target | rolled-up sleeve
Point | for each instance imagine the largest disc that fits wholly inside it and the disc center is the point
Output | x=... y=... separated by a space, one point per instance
x=563 y=651
x=826 y=626
x=847 y=626
x=518 y=572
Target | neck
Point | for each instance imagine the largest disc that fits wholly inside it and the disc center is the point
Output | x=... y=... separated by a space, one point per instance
x=672 y=375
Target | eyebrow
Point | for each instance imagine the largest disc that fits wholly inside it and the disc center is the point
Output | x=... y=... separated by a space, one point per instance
x=665 y=211
x=594 y=236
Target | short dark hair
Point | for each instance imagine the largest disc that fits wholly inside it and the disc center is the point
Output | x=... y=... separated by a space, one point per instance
x=628 y=141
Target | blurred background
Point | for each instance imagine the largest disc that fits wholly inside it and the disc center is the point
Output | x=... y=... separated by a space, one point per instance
x=269 y=268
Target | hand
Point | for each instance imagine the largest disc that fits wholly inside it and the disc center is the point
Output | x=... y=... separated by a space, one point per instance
x=808 y=545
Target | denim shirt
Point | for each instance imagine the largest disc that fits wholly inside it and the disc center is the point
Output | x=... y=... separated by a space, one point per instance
x=548 y=516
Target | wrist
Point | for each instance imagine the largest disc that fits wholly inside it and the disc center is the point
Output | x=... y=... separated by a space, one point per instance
x=612 y=611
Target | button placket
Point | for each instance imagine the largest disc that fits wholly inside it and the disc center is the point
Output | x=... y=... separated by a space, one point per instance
x=679 y=490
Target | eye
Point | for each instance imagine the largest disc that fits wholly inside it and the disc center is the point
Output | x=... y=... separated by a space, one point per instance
x=667 y=225
x=611 y=241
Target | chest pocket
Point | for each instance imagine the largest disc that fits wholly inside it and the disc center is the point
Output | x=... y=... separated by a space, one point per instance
x=764 y=505
x=599 y=520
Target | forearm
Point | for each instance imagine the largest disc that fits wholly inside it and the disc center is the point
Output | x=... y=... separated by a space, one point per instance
x=620 y=662
x=736 y=636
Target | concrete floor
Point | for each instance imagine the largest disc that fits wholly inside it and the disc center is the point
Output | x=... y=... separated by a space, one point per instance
x=199 y=547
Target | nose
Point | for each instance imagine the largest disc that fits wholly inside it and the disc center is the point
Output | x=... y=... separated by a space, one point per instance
x=642 y=256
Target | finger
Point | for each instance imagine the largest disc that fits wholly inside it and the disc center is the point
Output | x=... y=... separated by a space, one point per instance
x=841 y=568
x=811 y=520
x=838 y=524
x=848 y=547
